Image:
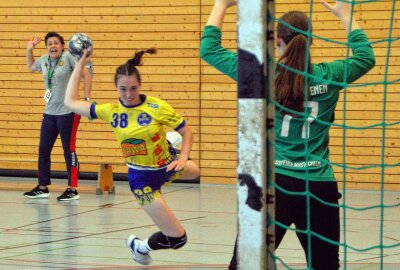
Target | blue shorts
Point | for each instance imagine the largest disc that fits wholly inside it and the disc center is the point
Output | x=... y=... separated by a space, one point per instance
x=146 y=184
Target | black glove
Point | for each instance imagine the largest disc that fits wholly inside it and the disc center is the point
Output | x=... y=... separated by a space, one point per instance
x=254 y=192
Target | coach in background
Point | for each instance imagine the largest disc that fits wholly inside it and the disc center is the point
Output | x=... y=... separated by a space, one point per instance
x=56 y=67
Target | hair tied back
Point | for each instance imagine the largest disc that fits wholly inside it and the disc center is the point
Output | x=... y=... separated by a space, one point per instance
x=137 y=58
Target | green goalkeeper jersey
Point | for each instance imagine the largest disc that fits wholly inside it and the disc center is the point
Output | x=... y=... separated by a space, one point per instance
x=301 y=146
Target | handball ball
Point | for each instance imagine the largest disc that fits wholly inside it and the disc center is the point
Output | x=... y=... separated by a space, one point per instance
x=78 y=42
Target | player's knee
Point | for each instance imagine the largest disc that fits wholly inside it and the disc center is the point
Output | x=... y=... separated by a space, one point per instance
x=161 y=241
x=192 y=171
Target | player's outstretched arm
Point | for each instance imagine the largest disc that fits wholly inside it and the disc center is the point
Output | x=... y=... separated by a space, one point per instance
x=211 y=50
x=363 y=58
x=72 y=99
x=217 y=14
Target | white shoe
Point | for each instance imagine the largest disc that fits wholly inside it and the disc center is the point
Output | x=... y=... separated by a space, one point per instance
x=142 y=258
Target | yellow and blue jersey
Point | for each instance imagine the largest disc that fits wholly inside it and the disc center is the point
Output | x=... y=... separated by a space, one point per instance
x=139 y=130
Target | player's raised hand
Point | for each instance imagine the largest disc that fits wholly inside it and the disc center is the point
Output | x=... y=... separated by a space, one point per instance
x=344 y=11
x=32 y=43
x=340 y=9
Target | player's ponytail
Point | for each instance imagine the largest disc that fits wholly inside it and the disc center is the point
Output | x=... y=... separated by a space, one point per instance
x=129 y=68
x=289 y=85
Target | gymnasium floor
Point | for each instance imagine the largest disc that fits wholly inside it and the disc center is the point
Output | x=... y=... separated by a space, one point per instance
x=91 y=233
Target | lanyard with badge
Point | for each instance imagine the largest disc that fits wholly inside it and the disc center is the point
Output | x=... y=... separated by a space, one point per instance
x=50 y=74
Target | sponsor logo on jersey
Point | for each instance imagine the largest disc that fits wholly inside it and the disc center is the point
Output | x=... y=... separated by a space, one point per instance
x=61 y=63
x=144 y=119
x=133 y=147
x=152 y=105
x=302 y=164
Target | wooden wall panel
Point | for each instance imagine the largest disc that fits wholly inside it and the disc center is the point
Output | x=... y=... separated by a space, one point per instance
x=206 y=98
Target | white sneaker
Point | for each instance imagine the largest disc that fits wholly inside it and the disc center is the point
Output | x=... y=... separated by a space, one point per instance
x=142 y=258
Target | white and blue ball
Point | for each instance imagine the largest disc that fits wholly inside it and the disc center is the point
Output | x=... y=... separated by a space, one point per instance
x=78 y=42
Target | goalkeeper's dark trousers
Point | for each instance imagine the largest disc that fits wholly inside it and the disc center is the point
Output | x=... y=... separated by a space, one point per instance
x=311 y=216
x=322 y=220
